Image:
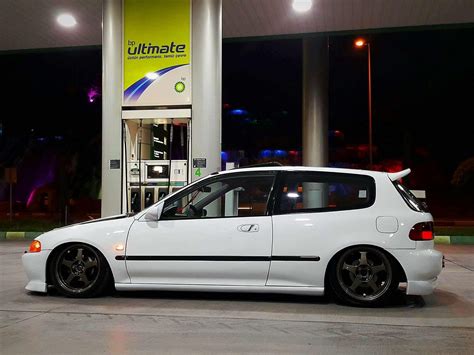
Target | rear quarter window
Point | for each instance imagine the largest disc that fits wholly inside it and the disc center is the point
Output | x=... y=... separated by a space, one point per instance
x=319 y=192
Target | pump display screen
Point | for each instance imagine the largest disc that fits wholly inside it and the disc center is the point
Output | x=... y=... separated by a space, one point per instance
x=157 y=171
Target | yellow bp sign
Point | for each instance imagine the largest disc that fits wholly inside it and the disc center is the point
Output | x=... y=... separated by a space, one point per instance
x=157 y=52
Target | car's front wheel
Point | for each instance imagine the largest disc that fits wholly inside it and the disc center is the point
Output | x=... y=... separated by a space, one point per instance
x=79 y=270
x=363 y=276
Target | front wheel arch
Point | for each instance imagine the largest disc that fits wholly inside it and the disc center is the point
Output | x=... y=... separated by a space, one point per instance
x=57 y=249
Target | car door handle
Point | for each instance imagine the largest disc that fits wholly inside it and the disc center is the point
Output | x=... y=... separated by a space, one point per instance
x=248 y=228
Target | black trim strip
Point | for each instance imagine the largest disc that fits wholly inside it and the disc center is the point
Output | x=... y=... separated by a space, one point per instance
x=214 y=258
x=191 y=258
x=295 y=258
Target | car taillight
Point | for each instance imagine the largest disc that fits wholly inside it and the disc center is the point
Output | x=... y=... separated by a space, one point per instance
x=35 y=246
x=422 y=231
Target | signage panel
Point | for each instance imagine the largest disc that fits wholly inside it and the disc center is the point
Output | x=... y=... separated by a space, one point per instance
x=156 y=52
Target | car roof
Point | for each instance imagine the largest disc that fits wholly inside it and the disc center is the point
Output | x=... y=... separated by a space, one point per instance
x=304 y=168
x=371 y=173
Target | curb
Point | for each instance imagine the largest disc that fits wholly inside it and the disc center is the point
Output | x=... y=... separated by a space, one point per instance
x=19 y=235
x=454 y=239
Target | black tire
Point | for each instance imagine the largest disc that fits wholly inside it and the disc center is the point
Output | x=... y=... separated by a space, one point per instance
x=79 y=270
x=363 y=276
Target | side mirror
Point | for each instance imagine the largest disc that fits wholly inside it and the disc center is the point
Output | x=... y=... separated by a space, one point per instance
x=153 y=213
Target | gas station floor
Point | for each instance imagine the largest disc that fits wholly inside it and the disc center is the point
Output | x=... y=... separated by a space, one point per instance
x=175 y=322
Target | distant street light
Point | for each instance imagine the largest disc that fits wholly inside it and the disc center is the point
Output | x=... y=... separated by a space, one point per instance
x=359 y=43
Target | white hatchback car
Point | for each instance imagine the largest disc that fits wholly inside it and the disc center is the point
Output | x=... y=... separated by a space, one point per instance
x=268 y=229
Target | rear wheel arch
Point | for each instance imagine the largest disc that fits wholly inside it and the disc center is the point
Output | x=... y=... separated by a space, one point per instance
x=402 y=274
x=397 y=266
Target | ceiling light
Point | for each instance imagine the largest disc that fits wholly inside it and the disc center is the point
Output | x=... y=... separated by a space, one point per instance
x=66 y=20
x=302 y=5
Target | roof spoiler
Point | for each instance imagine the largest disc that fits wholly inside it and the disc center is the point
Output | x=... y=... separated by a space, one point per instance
x=399 y=175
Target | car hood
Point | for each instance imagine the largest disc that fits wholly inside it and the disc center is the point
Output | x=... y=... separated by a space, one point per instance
x=110 y=218
x=95 y=232
x=103 y=219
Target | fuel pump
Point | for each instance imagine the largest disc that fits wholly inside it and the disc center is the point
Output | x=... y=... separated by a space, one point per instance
x=157 y=152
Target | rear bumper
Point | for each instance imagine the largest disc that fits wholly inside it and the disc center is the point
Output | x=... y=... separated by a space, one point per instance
x=422 y=268
x=34 y=265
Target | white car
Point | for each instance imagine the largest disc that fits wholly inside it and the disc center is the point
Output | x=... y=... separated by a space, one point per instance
x=269 y=229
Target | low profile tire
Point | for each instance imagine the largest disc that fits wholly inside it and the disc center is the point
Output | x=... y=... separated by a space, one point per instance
x=363 y=276
x=79 y=270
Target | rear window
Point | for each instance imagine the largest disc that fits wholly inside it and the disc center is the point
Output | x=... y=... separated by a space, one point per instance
x=412 y=202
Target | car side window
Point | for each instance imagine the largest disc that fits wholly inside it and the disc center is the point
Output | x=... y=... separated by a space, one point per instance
x=318 y=192
x=223 y=196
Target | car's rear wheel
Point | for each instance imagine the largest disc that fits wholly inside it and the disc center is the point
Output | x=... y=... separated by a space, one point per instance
x=79 y=270
x=363 y=276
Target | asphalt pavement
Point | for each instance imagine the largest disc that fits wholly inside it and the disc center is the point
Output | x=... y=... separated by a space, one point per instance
x=203 y=323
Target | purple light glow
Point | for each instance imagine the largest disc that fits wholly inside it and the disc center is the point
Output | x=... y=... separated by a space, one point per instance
x=92 y=93
x=31 y=196
x=43 y=175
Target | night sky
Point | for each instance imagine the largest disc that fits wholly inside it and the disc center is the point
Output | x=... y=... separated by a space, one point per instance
x=423 y=90
x=48 y=91
x=422 y=83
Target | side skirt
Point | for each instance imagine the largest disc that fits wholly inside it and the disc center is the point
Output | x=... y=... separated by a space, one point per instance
x=315 y=291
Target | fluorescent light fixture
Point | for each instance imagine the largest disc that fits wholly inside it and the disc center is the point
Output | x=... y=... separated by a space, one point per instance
x=152 y=75
x=302 y=5
x=158 y=168
x=292 y=195
x=66 y=20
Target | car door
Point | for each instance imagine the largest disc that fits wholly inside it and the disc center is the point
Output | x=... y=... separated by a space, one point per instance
x=215 y=232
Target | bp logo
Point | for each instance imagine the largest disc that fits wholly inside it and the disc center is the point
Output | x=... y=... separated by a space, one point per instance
x=179 y=86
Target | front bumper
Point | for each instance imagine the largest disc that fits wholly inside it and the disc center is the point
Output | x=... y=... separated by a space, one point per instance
x=34 y=265
x=422 y=268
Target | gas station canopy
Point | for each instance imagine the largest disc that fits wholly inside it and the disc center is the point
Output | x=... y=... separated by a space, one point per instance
x=30 y=24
